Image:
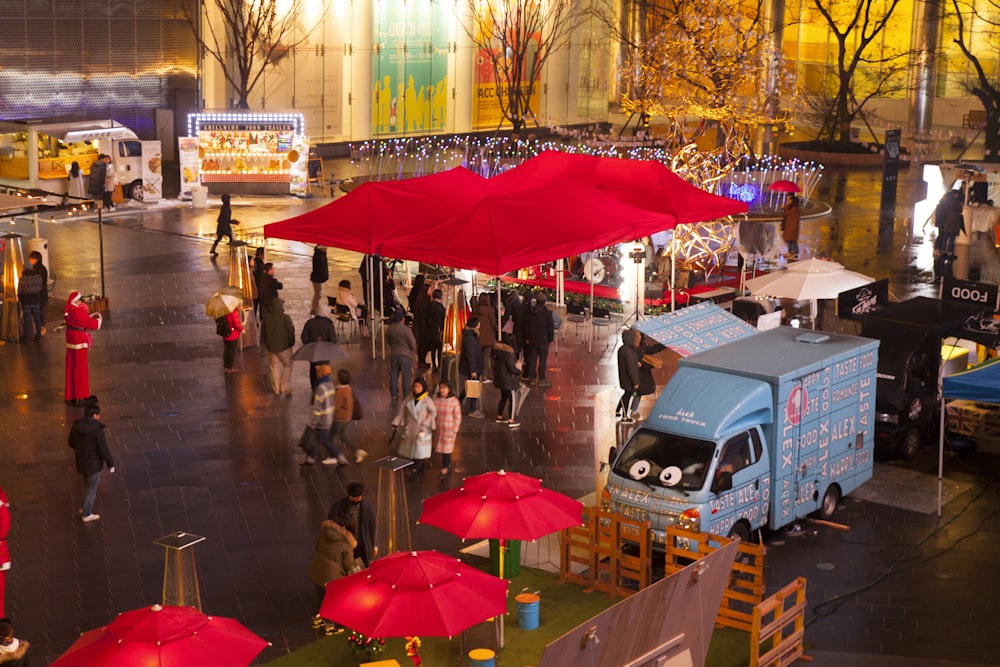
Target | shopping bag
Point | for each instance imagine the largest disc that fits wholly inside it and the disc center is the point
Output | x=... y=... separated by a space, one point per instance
x=473 y=388
x=308 y=442
x=422 y=449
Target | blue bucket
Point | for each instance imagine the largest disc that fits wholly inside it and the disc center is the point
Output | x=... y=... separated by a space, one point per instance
x=481 y=657
x=527 y=611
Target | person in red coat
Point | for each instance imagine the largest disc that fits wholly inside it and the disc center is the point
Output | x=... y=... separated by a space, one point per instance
x=231 y=343
x=79 y=323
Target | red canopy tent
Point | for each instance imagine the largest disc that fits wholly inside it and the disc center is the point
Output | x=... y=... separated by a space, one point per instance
x=458 y=219
x=645 y=184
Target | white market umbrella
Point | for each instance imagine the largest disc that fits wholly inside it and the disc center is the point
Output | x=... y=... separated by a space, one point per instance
x=809 y=279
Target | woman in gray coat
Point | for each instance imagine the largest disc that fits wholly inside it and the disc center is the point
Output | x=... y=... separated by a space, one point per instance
x=417 y=417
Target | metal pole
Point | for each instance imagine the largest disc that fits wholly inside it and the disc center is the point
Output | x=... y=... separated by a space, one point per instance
x=100 y=237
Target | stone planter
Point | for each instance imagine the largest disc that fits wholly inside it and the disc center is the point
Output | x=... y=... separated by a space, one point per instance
x=829 y=158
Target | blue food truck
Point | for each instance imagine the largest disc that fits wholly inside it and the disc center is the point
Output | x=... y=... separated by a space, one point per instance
x=756 y=432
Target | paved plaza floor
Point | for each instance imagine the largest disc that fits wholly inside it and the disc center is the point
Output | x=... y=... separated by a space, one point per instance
x=215 y=455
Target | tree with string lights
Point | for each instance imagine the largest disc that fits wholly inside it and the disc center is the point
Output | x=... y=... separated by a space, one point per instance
x=978 y=31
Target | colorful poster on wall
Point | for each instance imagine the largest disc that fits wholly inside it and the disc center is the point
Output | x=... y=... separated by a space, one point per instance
x=152 y=171
x=190 y=164
x=410 y=69
x=486 y=102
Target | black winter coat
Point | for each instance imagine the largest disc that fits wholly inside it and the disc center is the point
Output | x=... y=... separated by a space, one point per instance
x=471 y=359
x=539 y=327
x=91 y=447
x=318 y=328
x=505 y=373
x=321 y=268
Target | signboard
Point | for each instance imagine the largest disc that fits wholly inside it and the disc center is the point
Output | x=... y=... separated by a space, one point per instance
x=890 y=167
x=298 y=169
x=854 y=304
x=695 y=328
x=152 y=171
x=964 y=291
x=487 y=91
x=190 y=164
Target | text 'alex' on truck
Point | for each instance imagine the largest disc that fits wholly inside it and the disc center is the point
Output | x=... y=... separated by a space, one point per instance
x=758 y=432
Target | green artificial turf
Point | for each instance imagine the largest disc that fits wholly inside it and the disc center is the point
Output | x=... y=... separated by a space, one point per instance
x=562 y=608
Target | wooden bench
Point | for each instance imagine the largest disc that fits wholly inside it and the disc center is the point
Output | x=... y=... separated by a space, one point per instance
x=975 y=119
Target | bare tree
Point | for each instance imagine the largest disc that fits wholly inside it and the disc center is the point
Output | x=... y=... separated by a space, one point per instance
x=976 y=20
x=246 y=37
x=867 y=64
x=517 y=37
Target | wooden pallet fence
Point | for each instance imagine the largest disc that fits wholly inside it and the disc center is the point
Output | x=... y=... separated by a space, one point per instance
x=746 y=582
x=778 y=631
x=593 y=556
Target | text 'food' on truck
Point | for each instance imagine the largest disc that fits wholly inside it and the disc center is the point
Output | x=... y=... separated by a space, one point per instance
x=757 y=432
x=912 y=361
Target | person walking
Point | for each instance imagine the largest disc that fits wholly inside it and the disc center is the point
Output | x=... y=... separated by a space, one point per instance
x=231 y=341
x=416 y=416
x=319 y=275
x=628 y=375
x=420 y=301
x=35 y=260
x=435 y=329
x=95 y=181
x=506 y=378
x=790 y=224
x=318 y=328
x=79 y=322
x=470 y=364
x=268 y=288
x=29 y=292
x=343 y=415
x=324 y=406
x=489 y=331
x=448 y=420
x=278 y=335
x=358 y=516
x=539 y=332
x=332 y=559
x=87 y=439
x=402 y=349
x=224 y=224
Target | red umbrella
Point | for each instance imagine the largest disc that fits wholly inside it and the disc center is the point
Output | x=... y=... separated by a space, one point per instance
x=784 y=186
x=502 y=505
x=412 y=593
x=164 y=636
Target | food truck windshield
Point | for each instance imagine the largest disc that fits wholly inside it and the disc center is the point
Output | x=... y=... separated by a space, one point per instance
x=666 y=460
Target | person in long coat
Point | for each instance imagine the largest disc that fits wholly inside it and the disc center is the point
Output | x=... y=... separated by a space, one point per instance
x=223 y=225
x=449 y=419
x=628 y=374
x=489 y=330
x=416 y=416
x=790 y=224
x=506 y=378
x=333 y=559
x=79 y=322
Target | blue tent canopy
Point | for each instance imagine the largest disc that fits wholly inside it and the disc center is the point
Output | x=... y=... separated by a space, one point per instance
x=981 y=383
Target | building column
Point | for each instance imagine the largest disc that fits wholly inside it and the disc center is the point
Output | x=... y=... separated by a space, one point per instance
x=359 y=90
x=926 y=35
x=774 y=23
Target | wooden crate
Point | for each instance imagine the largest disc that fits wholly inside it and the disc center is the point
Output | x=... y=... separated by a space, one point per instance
x=98 y=305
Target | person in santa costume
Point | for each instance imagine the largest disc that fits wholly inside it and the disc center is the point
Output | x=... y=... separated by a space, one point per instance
x=79 y=323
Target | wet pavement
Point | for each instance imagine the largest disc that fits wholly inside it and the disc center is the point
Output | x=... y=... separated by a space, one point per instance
x=215 y=455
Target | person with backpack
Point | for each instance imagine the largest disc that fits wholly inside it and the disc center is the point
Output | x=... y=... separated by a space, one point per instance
x=346 y=409
x=30 y=291
x=230 y=327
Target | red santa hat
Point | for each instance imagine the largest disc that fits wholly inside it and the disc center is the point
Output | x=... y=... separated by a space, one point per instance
x=74 y=298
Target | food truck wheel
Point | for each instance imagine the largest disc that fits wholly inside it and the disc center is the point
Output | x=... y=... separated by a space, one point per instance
x=831 y=499
x=910 y=444
x=134 y=190
x=741 y=530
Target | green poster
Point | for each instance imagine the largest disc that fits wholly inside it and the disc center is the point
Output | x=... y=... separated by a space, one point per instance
x=410 y=72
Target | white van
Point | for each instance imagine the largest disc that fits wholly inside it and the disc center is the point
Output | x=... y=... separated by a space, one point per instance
x=37 y=155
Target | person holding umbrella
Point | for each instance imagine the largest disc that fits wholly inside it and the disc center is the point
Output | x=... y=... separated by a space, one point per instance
x=317 y=328
x=790 y=224
x=324 y=406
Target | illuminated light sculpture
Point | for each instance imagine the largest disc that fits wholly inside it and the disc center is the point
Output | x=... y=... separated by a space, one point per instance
x=705 y=245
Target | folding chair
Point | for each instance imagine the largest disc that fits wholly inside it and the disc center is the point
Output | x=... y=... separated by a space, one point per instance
x=343 y=318
x=576 y=315
x=601 y=319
